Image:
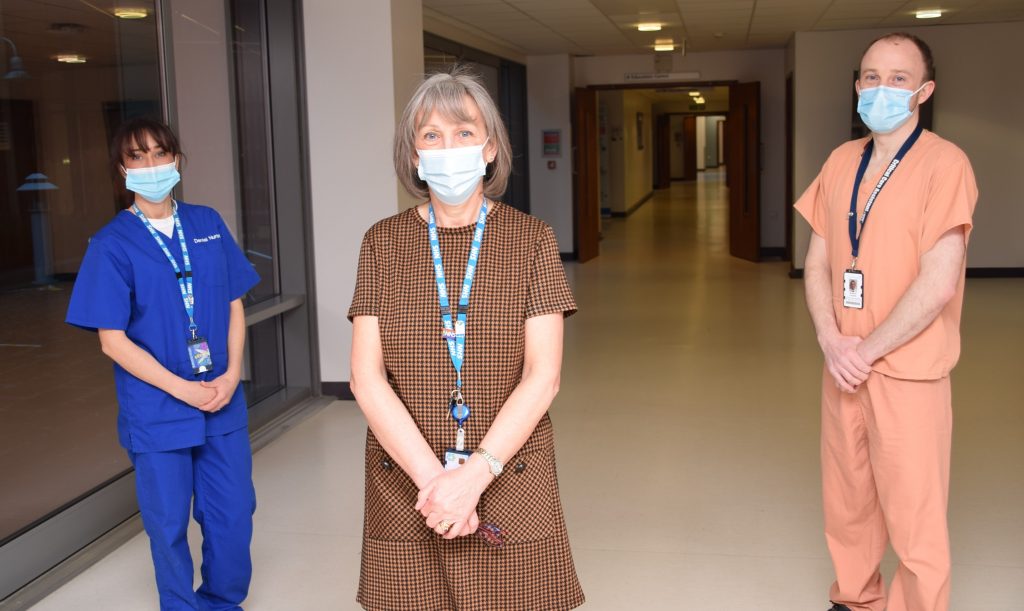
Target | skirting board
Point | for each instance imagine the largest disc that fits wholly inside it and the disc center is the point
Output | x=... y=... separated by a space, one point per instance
x=340 y=390
x=633 y=208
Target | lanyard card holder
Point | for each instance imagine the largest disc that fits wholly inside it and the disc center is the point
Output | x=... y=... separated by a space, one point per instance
x=199 y=355
x=457 y=456
x=853 y=289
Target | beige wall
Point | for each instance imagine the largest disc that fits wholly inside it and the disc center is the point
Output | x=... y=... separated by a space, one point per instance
x=977 y=106
x=407 y=50
x=638 y=168
x=702 y=141
x=629 y=170
x=611 y=101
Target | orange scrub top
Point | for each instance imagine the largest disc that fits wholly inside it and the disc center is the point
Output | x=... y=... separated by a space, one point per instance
x=932 y=191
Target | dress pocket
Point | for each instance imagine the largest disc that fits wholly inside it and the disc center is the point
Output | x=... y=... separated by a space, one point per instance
x=520 y=500
x=391 y=502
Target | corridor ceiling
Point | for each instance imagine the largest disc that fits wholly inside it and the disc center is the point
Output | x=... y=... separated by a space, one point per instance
x=608 y=27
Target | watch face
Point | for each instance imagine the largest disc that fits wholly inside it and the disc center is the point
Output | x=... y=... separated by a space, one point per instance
x=497 y=468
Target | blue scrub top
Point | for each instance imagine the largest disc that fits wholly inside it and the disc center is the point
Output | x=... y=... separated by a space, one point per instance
x=126 y=282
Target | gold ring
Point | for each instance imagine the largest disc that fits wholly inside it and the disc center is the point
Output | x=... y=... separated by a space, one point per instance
x=445 y=526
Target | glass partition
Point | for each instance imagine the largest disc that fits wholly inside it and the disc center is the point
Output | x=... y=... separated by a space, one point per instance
x=71 y=73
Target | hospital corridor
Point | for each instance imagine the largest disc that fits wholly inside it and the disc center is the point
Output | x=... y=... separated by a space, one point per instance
x=687 y=438
x=323 y=251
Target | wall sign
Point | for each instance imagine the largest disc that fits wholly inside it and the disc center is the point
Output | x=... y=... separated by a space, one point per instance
x=552 y=142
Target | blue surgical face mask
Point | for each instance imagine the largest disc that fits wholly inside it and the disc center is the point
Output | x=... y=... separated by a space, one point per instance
x=883 y=109
x=452 y=174
x=154 y=184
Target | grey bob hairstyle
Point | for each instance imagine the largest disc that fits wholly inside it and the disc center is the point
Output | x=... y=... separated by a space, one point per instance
x=446 y=92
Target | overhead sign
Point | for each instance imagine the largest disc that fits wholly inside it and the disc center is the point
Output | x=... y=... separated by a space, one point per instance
x=662 y=76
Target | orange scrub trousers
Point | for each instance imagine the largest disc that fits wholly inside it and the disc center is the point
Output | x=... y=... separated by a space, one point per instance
x=885 y=449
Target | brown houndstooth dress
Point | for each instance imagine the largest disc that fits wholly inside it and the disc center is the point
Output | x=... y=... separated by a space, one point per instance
x=405 y=566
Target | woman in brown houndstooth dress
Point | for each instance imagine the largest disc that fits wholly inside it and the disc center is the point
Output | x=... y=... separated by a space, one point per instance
x=422 y=548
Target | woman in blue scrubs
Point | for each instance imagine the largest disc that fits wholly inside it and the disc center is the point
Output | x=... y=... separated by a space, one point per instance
x=162 y=284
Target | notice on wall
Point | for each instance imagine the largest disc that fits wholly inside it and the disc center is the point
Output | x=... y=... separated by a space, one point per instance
x=552 y=142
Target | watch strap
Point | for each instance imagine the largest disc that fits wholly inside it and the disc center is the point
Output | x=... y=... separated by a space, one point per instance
x=492 y=461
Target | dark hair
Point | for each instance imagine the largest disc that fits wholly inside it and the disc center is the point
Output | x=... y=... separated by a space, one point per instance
x=922 y=46
x=131 y=135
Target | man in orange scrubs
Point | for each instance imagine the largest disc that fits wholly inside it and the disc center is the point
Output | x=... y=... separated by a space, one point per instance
x=885 y=285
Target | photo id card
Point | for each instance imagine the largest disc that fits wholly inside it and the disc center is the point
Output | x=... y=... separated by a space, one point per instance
x=853 y=289
x=453 y=459
x=199 y=354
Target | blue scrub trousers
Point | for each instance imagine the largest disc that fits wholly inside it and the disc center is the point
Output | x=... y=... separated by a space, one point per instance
x=216 y=480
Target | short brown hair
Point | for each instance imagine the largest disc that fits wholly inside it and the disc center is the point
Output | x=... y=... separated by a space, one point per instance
x=446 y=93
x=922 y=46
x=131 y=135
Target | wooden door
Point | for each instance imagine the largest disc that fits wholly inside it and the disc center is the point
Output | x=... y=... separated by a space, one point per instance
x=743 y=172
x=663 y=152
x=17 y=161
x=586 y=175
x=690 y=147
x=790 y=196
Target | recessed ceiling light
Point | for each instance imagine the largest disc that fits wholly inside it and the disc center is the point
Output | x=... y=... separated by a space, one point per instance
x=694 y=94
x=665 y=47
x=131 y=13
x=70 y=58
x=929 y=14
x=649 y=27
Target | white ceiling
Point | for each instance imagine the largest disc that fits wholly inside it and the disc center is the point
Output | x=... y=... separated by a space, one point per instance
x=608 y=27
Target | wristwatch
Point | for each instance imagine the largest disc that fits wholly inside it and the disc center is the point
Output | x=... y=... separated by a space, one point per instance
x=495 y=464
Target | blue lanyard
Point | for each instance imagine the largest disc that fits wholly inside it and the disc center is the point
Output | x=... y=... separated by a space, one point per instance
x=856 y=235
x=184 y=279
x=455 y=332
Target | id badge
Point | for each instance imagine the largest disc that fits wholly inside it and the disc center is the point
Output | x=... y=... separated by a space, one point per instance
x=453 y=459
x=853 y=289
x=199 y=354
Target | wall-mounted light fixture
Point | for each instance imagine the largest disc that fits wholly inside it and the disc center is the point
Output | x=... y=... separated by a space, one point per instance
x=15 y=67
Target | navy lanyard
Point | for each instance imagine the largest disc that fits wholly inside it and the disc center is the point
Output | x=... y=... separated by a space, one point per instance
x=455 y=332
x=856 y=235
x=184 y=279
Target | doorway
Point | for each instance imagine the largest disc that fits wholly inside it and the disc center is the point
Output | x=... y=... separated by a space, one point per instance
x=644 y=138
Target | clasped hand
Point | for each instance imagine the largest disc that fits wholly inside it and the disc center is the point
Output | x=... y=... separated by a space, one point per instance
x=453 y=496
x=209 y=396
x=846 y=362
